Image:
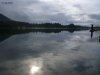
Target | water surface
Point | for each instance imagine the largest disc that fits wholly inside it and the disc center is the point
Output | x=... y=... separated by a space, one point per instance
x=39 y=53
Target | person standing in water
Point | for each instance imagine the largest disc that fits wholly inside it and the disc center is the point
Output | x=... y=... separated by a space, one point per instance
x=92 y=30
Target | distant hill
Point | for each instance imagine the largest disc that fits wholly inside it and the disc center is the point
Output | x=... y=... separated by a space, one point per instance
x=4 y=18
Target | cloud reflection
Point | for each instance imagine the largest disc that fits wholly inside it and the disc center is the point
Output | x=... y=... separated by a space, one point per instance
x=49 y=54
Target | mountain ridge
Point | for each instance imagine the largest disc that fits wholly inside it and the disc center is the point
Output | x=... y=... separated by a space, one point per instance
x=4 y=18
x=6 y=23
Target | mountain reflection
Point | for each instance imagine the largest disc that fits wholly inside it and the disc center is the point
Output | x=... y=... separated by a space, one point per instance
x=4 y=34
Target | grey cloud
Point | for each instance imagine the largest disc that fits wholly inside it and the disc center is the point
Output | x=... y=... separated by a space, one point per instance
x=36 y=11
x=58 y=18
x=95 y=16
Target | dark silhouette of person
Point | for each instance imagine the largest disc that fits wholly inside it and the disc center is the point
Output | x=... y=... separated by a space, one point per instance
x=92 y=30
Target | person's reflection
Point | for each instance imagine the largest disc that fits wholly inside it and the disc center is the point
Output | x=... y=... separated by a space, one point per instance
x=91 y=34
x=99 y=39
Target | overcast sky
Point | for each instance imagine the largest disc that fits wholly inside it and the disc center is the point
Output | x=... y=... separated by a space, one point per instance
x=60 y=11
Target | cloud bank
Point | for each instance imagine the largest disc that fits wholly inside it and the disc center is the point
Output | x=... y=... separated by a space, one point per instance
x=61 y=11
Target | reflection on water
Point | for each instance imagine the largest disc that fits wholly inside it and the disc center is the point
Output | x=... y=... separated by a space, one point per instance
x=34 y=69
x=50 y=54
x=97 y=37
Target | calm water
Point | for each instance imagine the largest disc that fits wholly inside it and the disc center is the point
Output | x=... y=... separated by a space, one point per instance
x=50 y=54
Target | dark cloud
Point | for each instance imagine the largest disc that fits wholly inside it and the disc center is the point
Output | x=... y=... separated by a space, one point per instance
x=95 y=16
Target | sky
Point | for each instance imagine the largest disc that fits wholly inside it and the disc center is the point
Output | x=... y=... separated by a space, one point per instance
x=84 y=12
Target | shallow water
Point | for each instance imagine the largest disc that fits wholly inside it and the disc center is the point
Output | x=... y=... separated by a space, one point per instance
x=61 y=53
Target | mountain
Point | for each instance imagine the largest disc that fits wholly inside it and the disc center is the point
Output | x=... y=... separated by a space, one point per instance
x=6 y=23
x=4 y=18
